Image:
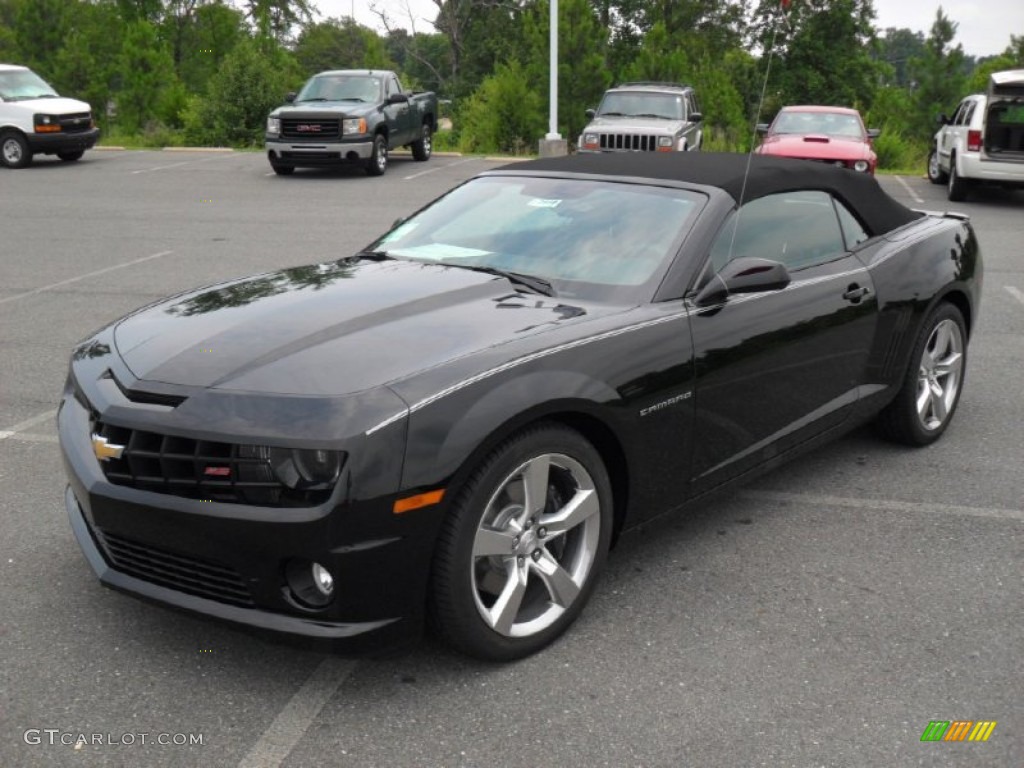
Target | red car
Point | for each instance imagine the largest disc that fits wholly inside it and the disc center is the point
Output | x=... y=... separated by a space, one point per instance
x=831 y=134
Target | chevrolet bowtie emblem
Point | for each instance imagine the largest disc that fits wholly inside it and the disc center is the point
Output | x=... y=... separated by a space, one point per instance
x=105 y=451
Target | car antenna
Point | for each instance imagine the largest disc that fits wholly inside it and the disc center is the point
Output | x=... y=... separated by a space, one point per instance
x=780 y=15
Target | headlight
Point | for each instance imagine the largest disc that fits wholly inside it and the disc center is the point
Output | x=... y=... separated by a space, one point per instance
x=306 y=469
x=46 y=123
x=664 y=141
x=274 y=125
x=590 y=139
x=354 y=125
x=861 y=165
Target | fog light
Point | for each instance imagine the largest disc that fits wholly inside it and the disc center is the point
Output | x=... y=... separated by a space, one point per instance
x=323 y=580
x=309 y=584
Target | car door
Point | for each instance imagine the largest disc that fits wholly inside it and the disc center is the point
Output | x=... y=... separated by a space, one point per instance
x=954 y=135
x=692 y=129
x=776 y=368
x=399 y=114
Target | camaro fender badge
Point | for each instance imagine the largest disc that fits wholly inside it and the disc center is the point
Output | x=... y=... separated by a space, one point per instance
x=665 y=404
x=105 y=450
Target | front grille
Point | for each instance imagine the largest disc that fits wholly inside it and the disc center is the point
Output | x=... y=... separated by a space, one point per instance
x=79 y=122
x=310 y=129
x=204 y=578
x=628 y=142
x=198 y=469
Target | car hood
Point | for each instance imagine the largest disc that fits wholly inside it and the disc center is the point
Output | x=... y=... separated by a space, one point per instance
x=333 y=329
x=817 y=147
x=639 y=125
x=331 y=109
x=57 y=106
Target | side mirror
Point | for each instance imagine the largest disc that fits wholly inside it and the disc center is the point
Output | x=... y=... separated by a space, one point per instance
x=942 y=119
x=590 y=113
x=696 y=117
x=290 y=97
x=762 y=129
x=398 y=98
x=874 y=133
x=743 y=275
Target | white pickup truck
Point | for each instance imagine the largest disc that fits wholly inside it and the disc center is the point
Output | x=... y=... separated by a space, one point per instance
x=35 y=120
x=984 y=140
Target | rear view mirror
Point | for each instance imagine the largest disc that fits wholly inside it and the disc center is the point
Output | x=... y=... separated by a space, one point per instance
x=398 y=98
x=744 y=275
x=874 y=133
x=942 y=119
x=590 y=114
x=762 y=128
x=290 y=97
x=696 y=117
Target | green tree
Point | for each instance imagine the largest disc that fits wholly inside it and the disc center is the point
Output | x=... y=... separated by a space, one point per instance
x=248 y=86
x=897 y=47
x=939 y=75
x=340 y=44
x=146 y=76
x=582 y=76
x=200 y=34
x=86 y=66
x=39 y=29
x=505 y=114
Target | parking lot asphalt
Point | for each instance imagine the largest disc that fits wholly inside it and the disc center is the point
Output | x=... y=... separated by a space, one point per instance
x=819 y=617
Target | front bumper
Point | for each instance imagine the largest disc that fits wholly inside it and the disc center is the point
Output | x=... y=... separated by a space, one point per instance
x=228 y=561
x=308 y=154
x=52 y=143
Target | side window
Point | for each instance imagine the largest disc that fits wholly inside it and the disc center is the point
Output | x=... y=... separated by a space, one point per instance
x=853 y=232
x=961 y=114
x=969 y=112
x=393 y=86
x=798 y=229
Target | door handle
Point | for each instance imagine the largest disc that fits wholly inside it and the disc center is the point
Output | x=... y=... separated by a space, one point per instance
x=854 y=293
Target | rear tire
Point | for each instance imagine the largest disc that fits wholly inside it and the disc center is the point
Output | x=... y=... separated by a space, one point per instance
x=522 y=546
x=14 y=151
x=378 y=162
x=958 y=188
x=424 y=146
x=935 y=172
x=934 y=379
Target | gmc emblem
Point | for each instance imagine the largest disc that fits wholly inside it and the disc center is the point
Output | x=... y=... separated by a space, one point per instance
x=313 y=128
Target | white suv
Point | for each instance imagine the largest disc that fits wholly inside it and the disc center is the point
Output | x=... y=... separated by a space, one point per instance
x=35 y=120
x=984 y=140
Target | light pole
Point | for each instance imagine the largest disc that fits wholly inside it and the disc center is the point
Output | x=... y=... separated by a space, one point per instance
x=553 y=144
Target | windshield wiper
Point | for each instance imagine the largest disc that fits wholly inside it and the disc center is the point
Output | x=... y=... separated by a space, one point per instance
x=535 y=284
x=373 y=256
x=315 y=98
x=649 y=114
x=611 y=114
x=351 y=98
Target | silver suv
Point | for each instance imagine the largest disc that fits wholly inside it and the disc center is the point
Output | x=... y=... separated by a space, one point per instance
x=645 y=117
x=984 y=140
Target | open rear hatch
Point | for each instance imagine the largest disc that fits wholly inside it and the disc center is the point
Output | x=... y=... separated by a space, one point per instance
x=1004 y=117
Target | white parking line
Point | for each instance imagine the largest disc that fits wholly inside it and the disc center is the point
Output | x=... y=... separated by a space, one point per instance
x=294 y=720
x=11 y=432
x=883 y=505
x=438 y=168
x=70 y=280
x=913 y=195
x=184 y=162
x=1015 y=292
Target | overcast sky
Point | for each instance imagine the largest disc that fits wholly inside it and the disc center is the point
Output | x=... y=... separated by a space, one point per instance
x=985 y=25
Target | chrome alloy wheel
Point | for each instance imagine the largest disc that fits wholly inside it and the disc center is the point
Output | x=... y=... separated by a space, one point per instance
x=939 y=374
x=381 y=157
x=536 y=545
x=13 y=151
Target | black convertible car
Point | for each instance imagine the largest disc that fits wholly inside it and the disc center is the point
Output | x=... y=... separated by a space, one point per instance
x=457 y=422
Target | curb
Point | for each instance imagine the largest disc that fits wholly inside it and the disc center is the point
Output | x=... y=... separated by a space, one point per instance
x=198 y=149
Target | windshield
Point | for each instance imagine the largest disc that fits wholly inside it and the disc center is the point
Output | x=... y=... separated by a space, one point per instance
x=642 y=104
x=827 y=123
x=341 y=88
x=24 y=84
x=586 y=238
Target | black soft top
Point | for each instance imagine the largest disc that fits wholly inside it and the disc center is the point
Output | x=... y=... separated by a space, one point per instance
x=878 y=212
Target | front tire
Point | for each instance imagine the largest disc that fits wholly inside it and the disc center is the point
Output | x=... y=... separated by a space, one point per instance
x=283 y=170
x=958 y=187
x=931 y=387
x=14 y=151
x=935 y=172
x=378 y=162
x=424 y=146
x=523 y=545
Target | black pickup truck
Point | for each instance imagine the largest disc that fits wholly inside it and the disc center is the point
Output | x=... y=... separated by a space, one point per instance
x=350 y=116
